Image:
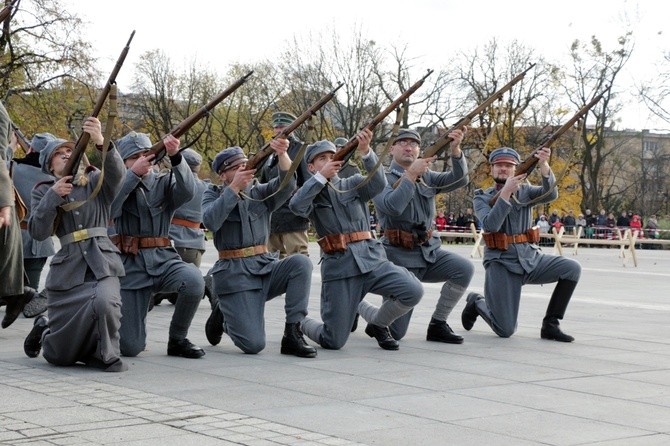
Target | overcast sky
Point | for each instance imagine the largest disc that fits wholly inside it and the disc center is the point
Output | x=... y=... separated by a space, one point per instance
x=218 y=33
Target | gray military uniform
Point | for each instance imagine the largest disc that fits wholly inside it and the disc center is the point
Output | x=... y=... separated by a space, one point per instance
x=83 y=293
x=11 y=254
x=522 y=263
x=406 y=207
x=144 y=208
x=184 y=237
x=363 y=267
x=26 y=176
x=244 y=284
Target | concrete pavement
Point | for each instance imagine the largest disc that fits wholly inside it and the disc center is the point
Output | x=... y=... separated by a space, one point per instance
x=610 y=387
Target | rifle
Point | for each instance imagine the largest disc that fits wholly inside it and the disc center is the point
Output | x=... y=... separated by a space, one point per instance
x=347 y=151
x=72 y=164
x=21 y=139
x=6 y=11
x=190 y=121
x=528 y=164
x=265 y=151
x=438 y=146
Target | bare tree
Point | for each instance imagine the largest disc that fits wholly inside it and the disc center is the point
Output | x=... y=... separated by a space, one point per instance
x=593 y=70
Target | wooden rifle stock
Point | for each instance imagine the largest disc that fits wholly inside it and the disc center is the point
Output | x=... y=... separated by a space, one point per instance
x=21 y=139
x=440 y=145
x=190 y=121
x=528 y=164
x=6 y=10
x=265 y=151
x=73 y=162
x=347 y=151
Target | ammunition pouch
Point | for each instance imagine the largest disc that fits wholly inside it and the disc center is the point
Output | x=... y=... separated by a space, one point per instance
x=501 y=241
x=129 y=244
x=405 y=239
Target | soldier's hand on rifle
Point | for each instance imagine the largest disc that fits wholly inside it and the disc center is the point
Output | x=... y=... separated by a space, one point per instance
x=419 y=167
x=364 y=138
x=143 y=165
x=242 y=178
x=456 y=139
x=543 y=155
x=512 y=185
x=171 y=145
x=280 y=147
x=93 y=127
x=5 y=216
x=63 y=187
x=330 y=169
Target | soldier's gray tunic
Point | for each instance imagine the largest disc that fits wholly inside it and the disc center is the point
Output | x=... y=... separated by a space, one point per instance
x=11 y=255
x=414 y=203
x=26 y=176
x=83 y=295
x=243 y=285
x=144 y=208
x=521 y=263
x=185 y=237
x=363 y=267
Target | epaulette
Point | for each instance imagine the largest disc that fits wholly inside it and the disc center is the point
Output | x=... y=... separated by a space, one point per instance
x=479 y=191
x=90 y=168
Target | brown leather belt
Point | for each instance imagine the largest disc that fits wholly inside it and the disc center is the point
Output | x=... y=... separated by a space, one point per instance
x=249 y=251
x=187 y=223
x=129 y=244
x=338 y=242
x=500 y=240
x=24 y=225
x=405 y=239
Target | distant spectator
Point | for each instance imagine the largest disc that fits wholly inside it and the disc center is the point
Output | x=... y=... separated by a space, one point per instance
x=636 y=224
x=590 y=218
x=623 y=221
x=451 y=219
x=553 y=218
x=543 y=224
x=602 y=218
x=440 y=221
x=611 y=221
x=569 y=222
x=470 y=218
x=580 y=221
x=652 y=227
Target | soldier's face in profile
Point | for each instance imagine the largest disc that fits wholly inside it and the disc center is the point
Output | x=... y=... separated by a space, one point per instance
x=59 y=159
x=130 y=161
x=319 y=161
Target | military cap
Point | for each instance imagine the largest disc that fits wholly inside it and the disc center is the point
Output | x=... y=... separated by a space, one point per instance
x=319 y=147
x=40 y=140
x=504 y=155
x=192 y=158
x=48 y=152
x=408 y=134
x=228 y=158
x=133 y=143
x=282 y=119
x=340 y=142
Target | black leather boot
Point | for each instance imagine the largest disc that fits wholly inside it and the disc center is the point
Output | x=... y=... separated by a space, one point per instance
x=440 y=331
x=184 y=348
x=354 y=326
x=556 y=310
x=214 y=326
x=15 y=305
x=383 y=337
x=33 y=343
x=293 y=342
x=469 y=315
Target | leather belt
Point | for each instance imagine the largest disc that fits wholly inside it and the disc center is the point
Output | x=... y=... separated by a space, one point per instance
x=249 y=251
x=184 y=222
x=129 y=244
x=24 y=225
x=338 y=242
x=500 y=240
x=82 y=234
x=405 y=239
